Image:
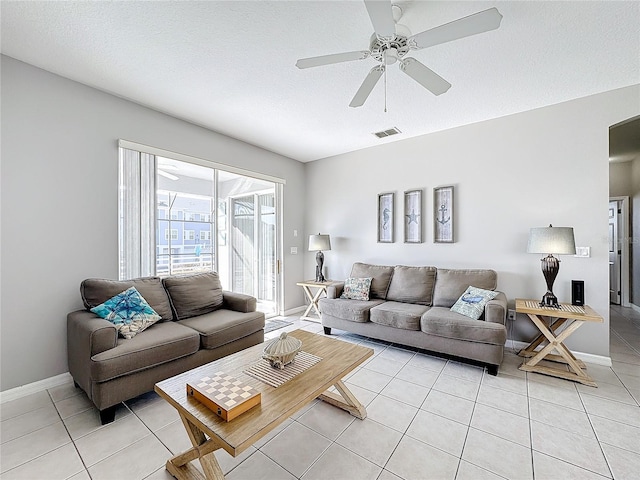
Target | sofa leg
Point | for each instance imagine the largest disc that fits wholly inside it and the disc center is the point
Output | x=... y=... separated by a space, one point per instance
x=492 y=370
x=108 y=415
x=327 y=330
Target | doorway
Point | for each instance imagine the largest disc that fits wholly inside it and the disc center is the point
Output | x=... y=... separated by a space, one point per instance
x=624 y=188
x=253 y=252
x=248 y=236
x=619 y=251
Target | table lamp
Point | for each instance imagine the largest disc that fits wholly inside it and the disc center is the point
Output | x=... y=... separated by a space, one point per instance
x=318 y=243
x=551 y=240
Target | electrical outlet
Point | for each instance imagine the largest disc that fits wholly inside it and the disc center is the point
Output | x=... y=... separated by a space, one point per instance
x=511 y=315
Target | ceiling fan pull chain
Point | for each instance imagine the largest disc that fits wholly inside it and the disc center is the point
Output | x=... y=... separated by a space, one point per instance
x=385 y=80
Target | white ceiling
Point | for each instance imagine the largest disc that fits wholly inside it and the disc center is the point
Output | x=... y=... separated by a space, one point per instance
x=230 y=66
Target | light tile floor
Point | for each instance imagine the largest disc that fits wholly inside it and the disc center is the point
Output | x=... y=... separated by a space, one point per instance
x=428 y=418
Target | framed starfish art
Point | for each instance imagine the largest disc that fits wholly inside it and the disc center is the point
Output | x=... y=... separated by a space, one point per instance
x=413 y=216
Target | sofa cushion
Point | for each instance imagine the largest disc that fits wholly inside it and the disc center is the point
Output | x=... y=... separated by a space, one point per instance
x=95 y=291
x=450 y=284
x=356 y=288
x=161 y=343
x=352 y=310
x=129 y=312
x=442 y=322
x=380 y=274
x=472 y=302
x=398 y=314
x=224 y=326
x=412 y=285
x=193 y=295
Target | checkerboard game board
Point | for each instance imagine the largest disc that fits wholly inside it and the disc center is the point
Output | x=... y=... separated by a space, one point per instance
x=227 y=396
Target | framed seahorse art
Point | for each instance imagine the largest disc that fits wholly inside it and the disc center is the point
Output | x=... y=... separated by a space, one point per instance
x=386 y=217
x=443 y=214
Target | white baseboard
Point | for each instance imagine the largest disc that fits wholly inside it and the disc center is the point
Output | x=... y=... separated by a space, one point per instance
x=35 y=387
x=585 y=357
x=293 y=311
x=635 y=307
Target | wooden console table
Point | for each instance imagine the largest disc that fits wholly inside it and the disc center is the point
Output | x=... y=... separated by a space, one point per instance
x=576 y=316
x=313 y=298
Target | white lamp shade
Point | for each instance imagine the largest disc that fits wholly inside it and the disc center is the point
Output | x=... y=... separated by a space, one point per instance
x=552 y=240
x=319 y=242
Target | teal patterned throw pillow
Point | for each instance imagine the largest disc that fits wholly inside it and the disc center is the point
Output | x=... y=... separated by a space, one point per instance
x=356 y=288
x=472 y=302
x=128 y=311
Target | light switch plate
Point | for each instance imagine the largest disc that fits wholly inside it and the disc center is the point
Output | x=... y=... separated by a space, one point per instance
x=583 y=252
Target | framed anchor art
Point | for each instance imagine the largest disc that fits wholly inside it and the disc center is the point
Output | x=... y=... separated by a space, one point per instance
x=443 y=214
x=413 y=216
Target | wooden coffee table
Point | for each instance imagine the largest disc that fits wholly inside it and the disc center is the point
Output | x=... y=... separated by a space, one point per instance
x=338 y=359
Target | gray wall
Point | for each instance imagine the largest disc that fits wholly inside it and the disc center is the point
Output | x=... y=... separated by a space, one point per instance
x=59 y=204
x=548 y=165
x=620 y=179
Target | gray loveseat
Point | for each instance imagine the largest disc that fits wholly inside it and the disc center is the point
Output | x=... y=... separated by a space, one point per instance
x=200 y=323
x=411 y=306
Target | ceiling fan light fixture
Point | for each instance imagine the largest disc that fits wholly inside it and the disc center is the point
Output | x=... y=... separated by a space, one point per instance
x=390 y=56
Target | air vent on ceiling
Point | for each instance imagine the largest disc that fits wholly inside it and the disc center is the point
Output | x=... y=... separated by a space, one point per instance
x=387 y=133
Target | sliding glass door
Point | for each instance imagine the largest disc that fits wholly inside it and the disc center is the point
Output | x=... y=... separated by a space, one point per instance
x=253 y=239
x=180 y=217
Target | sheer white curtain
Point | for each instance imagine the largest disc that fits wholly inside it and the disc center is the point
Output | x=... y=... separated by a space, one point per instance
x=137 y=214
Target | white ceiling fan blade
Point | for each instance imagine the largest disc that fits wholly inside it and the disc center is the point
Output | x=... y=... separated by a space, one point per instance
x=424 y=76
x=473 y=24
x=333 y=58
x=381 y=16
x=367 y=86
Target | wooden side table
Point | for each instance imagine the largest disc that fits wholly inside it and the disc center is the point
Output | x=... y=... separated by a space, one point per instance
x=576 y=316
x=321 y=287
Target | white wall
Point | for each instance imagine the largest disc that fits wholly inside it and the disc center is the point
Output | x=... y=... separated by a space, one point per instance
x=548 y=165
x=59 y=204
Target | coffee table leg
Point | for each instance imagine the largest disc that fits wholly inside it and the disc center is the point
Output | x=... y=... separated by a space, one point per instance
x=346 y=400
x=203 y=450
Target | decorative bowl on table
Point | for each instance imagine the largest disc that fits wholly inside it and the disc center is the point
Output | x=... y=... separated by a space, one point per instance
x=281 y=351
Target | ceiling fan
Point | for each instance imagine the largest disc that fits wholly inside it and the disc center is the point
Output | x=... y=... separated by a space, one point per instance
x=392 y=41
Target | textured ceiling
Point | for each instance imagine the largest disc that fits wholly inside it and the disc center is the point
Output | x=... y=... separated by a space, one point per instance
x=230 y=66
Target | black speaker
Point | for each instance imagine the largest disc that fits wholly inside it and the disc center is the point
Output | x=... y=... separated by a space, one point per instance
x=577 y=292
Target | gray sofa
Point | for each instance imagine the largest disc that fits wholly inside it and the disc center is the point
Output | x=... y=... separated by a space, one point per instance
x=411 y=306
x=200 y=323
